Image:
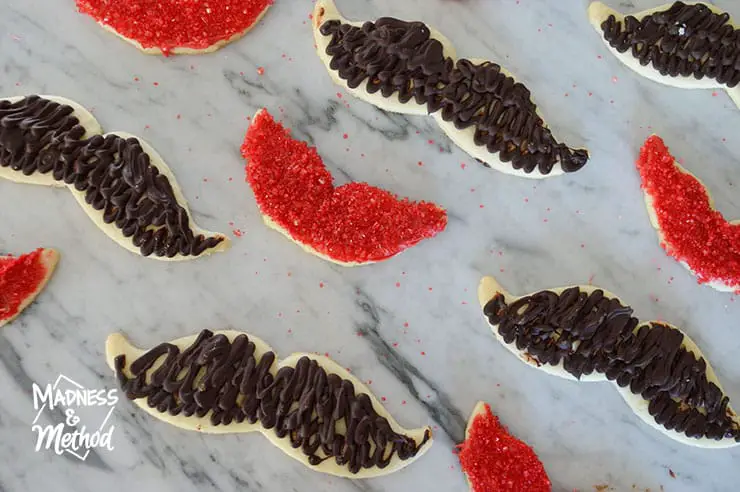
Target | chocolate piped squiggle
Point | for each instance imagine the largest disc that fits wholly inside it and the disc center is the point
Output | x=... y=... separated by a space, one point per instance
x=44 y=140
x=407 y=61
x=587 y=334
x=686 y=40
x=230 y=382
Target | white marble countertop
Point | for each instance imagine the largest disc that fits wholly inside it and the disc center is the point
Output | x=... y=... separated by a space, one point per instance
x=426 y=347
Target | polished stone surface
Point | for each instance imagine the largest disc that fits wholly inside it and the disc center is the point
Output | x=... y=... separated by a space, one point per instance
x=425 y=347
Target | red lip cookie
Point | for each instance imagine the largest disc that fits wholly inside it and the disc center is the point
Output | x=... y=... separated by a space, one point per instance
x=689 y=227
x=352 y=224
x=176 y=26
x=492 y=459
x=22 y=278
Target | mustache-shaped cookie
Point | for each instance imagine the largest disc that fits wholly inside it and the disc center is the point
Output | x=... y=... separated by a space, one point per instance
x=307 y=405
x=408 y=67
x=585 y=333
x=690 y=229
x=353 y=224
x=120 y=181
x=689 y=46
x=22 y=278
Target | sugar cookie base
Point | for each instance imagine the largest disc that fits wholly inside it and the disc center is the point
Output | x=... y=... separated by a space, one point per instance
x=599 y=12
x=489 y=287
x=88 y=121
x=49 y=259
x=117 y=344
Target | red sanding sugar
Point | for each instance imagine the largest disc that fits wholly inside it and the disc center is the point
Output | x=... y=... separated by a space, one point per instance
x=355 y=222
x=169 y=24
x=693 y=232
x=19 y=278
x=495 y=461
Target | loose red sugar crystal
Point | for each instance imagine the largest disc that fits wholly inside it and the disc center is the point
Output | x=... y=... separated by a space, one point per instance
x=352 y=223
x=19 y=278
x=693 y=231
x=169 y=24
x=495 y=461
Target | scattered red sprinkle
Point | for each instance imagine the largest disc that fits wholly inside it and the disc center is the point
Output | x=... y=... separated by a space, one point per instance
x=382 y=398
x=260 y=70
x=169 y=24
x=423 y=353
x=421 y=163
x=693 y=231
x=321 y=285
x=19 y=278
x=238 y=232
x=353 y=223
x=136 y=79
x=156 y=84
x=462 y=166
x=406 y=324
x=493 y=459
x=398 y=284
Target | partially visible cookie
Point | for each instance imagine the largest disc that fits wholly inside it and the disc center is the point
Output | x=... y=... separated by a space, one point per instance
x=690 y=229
x=686 y=45
x=22 y=279
x=583 y=333
x=494 y=460
x=187 y=27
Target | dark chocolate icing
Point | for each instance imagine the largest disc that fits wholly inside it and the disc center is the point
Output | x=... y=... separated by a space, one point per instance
x=41 y=136
x=304 y=404
x=683 y=40
x=591 y=332
x=398 y=57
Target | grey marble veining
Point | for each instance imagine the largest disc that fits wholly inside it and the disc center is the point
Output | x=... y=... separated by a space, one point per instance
x=422 y=340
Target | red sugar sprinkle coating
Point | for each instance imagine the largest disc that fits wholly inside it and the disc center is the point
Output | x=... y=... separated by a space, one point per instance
x=494 y=460
x=19 y=278
x=693 y=231
x=170 y=24
x=354 y=223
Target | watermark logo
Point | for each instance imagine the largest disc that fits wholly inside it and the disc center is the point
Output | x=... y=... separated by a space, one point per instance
x=72 y=436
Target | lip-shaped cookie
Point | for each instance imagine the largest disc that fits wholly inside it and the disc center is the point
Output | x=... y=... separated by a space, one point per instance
x=120 y=181
x=585 y=333
x=22 y=278
x=686 y=45
x=689 y=228
x=409 y=67
x=493 y=460
x=311 y=408
x=182 y=27
x=350 y=225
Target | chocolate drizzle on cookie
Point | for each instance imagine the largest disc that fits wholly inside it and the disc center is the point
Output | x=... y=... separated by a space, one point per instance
x=590 y=332
x=318 y=412
x=39 y=136
x=684 y=40
x=391 y=56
